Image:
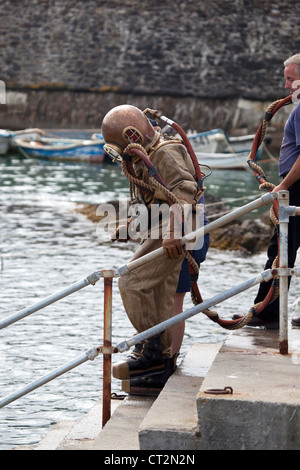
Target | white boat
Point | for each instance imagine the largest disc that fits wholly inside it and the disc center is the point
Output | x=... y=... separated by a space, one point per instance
x=8 y=137
x=216 y=140
x=242 y=142
x=224 y=161
x=60 y=149
x=29 y=134
x=5 y=138
x=219 y=151
x=232 y=160
x=213 y=141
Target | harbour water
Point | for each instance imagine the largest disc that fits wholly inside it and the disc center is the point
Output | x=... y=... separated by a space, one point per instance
x=45 y=246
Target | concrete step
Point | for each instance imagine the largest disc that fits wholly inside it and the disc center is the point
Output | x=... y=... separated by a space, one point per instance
x=84 y=433
x=121 y=431
x=53 y=438
x=263 y=412
x=58 y=433
x=73 y=435
x=166 y=422
x=171 y=423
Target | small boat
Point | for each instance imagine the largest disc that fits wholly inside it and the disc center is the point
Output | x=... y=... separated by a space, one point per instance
x=213 y=141
x=8 y=137
x=29 y=134
x=5 y=138
x=242 y=142
x=219 y=151
x=216 y=140
x=60 y=149
x=232 y=160
x=97 y=136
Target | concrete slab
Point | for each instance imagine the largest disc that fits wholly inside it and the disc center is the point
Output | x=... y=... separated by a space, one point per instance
x=83 y=433
x=121 y=431
x=54 y=438
x=171 y=423
x=74 y=435
x=264 y=410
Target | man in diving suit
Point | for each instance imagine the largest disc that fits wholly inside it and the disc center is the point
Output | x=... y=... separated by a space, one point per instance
x=148 y=291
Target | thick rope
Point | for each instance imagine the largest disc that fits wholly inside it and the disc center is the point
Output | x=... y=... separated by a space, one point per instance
x=265 y=185
x=260 y=175
x=193 y=266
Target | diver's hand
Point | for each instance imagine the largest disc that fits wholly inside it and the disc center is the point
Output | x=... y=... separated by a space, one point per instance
x=172 y=247
x=172 y=242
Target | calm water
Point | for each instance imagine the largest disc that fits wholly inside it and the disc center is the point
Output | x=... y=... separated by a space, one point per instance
x=46 y=246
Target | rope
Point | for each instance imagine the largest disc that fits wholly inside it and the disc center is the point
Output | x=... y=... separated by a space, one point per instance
x=139 y=151
x=157 y=183
x=134 y=179
x=265 y=185
x=261 y=177
x=260 y=135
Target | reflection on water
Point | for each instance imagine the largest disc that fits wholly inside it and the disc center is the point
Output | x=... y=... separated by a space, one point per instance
x=46 y=246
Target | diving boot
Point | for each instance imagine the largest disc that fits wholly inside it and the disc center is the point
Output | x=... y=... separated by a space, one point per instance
x=150 y=385
x=145 y=359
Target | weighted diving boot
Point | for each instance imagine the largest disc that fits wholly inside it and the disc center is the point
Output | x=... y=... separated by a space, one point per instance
x=150 y=385
x=145 y=359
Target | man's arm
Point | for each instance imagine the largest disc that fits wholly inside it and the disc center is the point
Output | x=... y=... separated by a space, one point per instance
x=292 y=176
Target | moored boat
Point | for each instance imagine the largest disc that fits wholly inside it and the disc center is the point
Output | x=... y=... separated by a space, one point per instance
x=5 y=138
x=213 y=141
x=29 y=134
x=232 y=160
x=8 y=137
x=216 y=140
x=219 y=151
x=60 y=149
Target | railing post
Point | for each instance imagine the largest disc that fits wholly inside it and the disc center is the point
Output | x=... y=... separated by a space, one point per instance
x=283 y=199
x=107 y=340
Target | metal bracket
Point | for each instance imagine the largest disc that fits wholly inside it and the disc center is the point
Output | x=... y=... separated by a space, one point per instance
x=94 y=277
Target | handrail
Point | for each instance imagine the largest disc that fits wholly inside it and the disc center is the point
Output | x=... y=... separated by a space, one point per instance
x=91 y=279
x=160 y=327
x=285 y=211
x=88 y=355
x=127 y=344
x=266 y=199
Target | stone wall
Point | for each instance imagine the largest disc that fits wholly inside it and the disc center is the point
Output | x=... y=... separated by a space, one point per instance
x=66 y=62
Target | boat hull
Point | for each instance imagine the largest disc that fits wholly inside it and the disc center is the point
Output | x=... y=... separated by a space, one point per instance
x=63 y=150
x=223 y=161
x=28 y=134
x=5 y=138
x=4 y=145
x=218 y=151
x=233 y=161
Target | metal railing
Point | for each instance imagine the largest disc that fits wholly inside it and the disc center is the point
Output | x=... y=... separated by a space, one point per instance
x=285 y=211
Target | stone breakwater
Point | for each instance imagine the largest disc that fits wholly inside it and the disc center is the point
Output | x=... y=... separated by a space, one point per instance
x=66 y=62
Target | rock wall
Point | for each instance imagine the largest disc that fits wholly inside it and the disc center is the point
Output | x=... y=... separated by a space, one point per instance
x=66 y=62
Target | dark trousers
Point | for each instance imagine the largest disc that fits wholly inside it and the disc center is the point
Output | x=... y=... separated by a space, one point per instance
x=271 y=311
